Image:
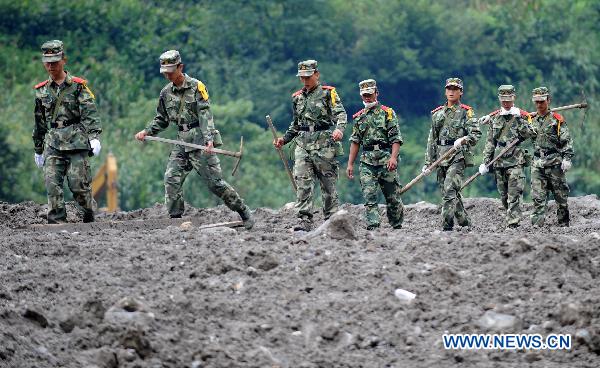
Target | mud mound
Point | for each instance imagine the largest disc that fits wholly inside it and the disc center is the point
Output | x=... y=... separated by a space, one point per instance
x=137 y=289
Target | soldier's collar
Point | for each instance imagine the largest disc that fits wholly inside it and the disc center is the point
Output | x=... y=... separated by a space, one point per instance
x=68 y=80
x=318 y=85
x=187 y=83
x=453 y=107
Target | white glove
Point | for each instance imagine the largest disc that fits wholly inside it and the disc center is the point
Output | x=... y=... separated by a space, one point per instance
x=425 y=171
x=96 y=147
x=565 y=165
x=39 y=160
x=483 y=169
x=459 y=142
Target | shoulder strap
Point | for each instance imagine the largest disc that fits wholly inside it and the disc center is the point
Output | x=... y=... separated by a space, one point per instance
x=59 y=99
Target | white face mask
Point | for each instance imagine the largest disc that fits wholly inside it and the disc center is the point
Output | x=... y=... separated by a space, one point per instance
x=512 y=111
x=368 y=105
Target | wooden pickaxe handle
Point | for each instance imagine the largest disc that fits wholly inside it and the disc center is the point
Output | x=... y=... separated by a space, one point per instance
x=436 y=163
x=192 y=145
x=282 y=155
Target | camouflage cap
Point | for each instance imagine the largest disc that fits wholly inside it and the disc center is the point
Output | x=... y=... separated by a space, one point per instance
x=52 y=51
x=307 y=68
x=169 y=61
x=540 y=94
x=506 y=92
x=367 y=86
x=456 y=82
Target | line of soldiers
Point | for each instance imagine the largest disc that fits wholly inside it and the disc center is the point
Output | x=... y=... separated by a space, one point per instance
x=67 y=129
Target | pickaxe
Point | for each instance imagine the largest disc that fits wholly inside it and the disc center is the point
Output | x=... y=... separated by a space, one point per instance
x=238 y=155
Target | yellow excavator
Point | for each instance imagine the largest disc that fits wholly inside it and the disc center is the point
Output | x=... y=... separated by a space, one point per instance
x=105 y=181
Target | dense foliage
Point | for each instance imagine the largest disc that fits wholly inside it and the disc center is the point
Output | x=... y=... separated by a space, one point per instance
x=246 y=53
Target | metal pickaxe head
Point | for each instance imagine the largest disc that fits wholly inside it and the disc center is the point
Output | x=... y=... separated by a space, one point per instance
x=239 y=156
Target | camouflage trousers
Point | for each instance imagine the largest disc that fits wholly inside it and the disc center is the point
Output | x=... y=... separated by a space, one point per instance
x=449 y=179
x=371 y=179
x=322 y=165
x=75 y=166
x=510 y=182
x=545 y=180
x=208 y=167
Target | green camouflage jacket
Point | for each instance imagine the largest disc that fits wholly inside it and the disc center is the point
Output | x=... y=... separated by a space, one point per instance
x=316 y=114
x=502 y=130
x=71 y=125
x=447 y=125
x=376 y=129
x=188 y=108
x=553 y=141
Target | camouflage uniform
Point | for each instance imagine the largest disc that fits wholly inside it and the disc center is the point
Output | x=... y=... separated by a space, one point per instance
x=316 y=114
x=66 y=120
x=504 y=127
x=188 y=108
x=376 y=128
x=553 y=145
x=449 y=123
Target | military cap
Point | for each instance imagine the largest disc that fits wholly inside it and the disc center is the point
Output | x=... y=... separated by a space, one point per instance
x=456 y=82
x=367 y=86
x=307 y=68
x=540 y=94
x=169 y=61
x=52 y=51
x=506 y=92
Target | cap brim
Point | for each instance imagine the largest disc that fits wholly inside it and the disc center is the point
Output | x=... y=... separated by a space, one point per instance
x=539 y=98
x=168 y=68
x=506 y=97
x=368 y=91
x=454 y=85
x=50 y=58
x=305 y=73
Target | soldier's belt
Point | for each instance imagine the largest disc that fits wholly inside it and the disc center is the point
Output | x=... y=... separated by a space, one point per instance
x=376 y=147
x=544 y=153
x=446 y=142
x=186 y=127
x=312 y=128
x=62 y=124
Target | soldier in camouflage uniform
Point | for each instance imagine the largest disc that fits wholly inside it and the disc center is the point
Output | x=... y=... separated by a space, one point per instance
x=317 y=128
x=185 y=103
x=66 y=131
x=552 y=159
x=505 y=125
x=452 y=125
x=376 y=128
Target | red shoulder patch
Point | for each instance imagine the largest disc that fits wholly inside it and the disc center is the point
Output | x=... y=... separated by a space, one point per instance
x=524 y=113
x=494 y=112
x=358 y=113
x=41 y=84
x=466 y=107
x=437 y=109
x=558 y=117
x=385 y=108
x=328 y=87
x=79 y=80
x=296 y=93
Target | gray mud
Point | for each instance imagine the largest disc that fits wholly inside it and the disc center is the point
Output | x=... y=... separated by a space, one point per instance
x=138 y=289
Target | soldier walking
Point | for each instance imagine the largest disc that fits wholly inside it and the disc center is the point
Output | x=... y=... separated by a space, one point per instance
x=67 y=128
x=184 y=102
x=553 y=152
x=376 y=129
x=318 y=125
x=507 y=124
x=452 y=125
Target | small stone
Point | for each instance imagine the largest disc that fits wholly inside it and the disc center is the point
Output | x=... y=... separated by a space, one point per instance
x=583 y=336
x=404 y=296
x=569 y=313
x=549 y=325
x=498 y=321
x=297 y=333
x=186 y=225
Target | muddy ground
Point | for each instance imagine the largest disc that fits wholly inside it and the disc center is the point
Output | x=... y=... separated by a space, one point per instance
x=140 y=290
